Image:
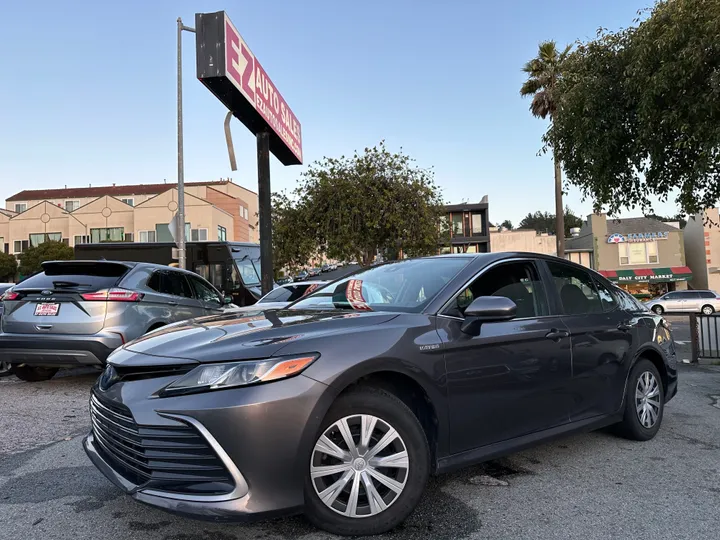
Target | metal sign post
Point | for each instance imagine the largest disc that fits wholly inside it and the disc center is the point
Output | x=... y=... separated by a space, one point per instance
x=264 y=198
x=180 y=152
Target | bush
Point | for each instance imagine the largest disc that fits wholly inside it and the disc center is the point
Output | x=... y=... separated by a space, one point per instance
x=8 y=267
x=51 y=250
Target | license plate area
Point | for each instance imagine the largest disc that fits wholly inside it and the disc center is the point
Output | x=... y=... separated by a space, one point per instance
x=45 y=309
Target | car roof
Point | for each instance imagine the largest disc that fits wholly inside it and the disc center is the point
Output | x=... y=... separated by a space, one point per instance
x=129 y=264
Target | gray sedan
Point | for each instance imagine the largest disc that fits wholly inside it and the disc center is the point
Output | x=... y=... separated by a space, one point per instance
x=705 y=302
x=76 y=313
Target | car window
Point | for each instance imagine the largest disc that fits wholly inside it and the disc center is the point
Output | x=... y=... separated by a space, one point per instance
x=172 y=283
x=76 y=275
x=670 y=296
x=289 y=293
x=688 y=295
x=403 y=286
x=518 y=281
x=576 y=289
x=204 y=291
x=706 y=294
x=606 y=297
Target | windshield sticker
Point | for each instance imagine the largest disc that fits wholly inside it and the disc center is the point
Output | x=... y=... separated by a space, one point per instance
x=355 y=296
x=312 y=288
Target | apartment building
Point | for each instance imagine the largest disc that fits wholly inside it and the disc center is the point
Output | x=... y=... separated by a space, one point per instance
x=216 y=210
x=702 y=249
x=469 y=228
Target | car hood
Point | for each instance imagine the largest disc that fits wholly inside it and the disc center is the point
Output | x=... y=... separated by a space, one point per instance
x=260 y=307
x=241 y=336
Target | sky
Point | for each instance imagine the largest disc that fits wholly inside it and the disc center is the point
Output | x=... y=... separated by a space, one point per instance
x=88 y=91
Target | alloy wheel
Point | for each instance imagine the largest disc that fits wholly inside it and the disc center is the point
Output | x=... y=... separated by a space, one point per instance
x=658 y=310
x=707 y=310
x=359 y=466
x=647 y=399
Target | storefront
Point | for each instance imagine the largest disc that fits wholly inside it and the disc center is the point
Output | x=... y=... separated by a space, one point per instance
x=650 y=282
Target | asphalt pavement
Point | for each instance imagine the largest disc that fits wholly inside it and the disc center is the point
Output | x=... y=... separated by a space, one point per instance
x=586 y=486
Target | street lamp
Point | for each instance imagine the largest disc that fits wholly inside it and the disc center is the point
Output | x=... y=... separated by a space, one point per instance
x=180 y=157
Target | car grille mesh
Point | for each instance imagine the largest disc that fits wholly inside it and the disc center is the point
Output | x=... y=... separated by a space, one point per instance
x=175 y=459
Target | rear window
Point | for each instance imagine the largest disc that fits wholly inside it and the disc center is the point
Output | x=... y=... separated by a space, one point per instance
x=75 y=275
x=707 y=294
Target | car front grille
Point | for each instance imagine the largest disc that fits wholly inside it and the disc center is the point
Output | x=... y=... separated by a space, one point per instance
x=175 y=459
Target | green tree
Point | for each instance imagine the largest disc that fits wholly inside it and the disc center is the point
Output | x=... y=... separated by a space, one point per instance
x=51 y=250
x=354 y=207
x=544 y=222
x=544 y=74
x=639 y=111
x=507 y=224
x=8 y=267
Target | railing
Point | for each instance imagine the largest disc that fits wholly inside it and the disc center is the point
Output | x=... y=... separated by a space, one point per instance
x=704 y=336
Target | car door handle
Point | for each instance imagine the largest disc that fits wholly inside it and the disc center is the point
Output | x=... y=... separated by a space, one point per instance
x=557 y=334
x=624 y=327
x=172 y=303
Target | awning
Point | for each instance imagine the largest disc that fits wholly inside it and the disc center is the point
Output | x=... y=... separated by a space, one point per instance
x=651 y=275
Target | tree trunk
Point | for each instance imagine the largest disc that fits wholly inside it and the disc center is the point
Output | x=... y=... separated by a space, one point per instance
x=559 y=210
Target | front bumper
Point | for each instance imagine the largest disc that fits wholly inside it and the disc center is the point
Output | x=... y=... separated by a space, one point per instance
x=58 y=350
x=263 y=433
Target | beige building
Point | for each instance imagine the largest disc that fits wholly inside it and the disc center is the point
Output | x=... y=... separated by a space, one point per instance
x=220 y=210
x=522 y=240
x=645 y=256
x=702 y=249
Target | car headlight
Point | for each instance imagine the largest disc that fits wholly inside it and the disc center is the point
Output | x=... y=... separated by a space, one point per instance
x=234 y=374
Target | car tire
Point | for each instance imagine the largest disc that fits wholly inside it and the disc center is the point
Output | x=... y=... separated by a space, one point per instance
x=658 y=310
x=644 y=402
x=5 y=369
x=707 y=310
x=33 y=373
x=388 y=507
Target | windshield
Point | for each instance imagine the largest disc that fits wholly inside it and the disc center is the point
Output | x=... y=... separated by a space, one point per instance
x=289 y=293
x=405 y=286
x=248 y=270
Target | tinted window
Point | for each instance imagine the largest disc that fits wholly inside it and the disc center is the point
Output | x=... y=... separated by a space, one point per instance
x=606 y=298
x=688 y=295
x=670 y=296
x=706 y=294
x=172 y=283
x=73 y=275
x=204 y=291
x=406 y=286
x=576 y=289
x=517 y=281
x=628 y=302
x=290 y=293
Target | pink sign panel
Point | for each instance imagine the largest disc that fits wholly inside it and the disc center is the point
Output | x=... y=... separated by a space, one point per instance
x=249 y=77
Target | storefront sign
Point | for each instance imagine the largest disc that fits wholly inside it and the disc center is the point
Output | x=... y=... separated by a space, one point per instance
x=617 y=238
x=227 y=66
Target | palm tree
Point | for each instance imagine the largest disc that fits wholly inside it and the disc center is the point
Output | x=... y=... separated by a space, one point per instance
x=544 y=71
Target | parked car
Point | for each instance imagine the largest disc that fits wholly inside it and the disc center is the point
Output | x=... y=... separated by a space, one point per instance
x=77 y=312
x=325 y=268
x=698 y=301
x=314 y=271
x=283 y=280
x=284 y=295
x=4 y=366
x=374 y=382
x=302 y=275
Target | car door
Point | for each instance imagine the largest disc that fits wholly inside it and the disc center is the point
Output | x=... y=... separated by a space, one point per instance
x=601 y=334
x=672 y=302
x=209 y=298
x=511 y=378
x=173 y=298
x=693 y=301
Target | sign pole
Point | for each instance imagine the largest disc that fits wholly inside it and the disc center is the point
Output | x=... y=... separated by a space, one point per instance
x=264 y=198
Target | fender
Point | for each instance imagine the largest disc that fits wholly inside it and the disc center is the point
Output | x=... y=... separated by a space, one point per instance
x=644 y=348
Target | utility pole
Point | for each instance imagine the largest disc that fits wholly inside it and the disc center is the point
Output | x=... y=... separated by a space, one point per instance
x=180 y=153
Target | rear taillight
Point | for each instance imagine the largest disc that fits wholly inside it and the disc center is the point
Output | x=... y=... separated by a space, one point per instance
x=9 y=295
x=113 y=295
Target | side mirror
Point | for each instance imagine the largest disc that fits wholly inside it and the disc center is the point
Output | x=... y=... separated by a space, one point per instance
x=227 y=300
x=487 y=309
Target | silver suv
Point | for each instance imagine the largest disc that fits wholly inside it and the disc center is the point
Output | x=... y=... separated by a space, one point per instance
x=705 y=302
x=75 y=313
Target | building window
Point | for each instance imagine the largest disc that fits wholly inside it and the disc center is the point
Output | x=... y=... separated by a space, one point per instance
x=41 y=238
x=72 y=205
x=146 y=236
x=633 y=253
x=130 y=201
x=107 y=234
x=80 y=239
x=457 y=224
x=20 y=246
x=477 y=224
x=199 y=235
x=222 y=233
x=128 y=237
x=20 y=207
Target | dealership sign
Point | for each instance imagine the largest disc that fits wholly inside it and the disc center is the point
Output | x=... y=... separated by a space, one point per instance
x=617 y=238
x=227 y=66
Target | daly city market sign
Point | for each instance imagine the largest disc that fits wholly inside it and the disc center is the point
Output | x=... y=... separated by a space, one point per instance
x=229 y=69
x=618 y=238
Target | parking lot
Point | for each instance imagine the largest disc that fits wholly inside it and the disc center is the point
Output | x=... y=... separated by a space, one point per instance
x=588 y=486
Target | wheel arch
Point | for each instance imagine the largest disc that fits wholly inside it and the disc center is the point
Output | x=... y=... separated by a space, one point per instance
x=651 y=353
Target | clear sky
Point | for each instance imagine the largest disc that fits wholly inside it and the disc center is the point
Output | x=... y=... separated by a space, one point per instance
x=88 y=90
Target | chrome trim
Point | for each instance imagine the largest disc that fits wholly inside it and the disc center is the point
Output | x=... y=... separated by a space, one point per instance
x=241 y=487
